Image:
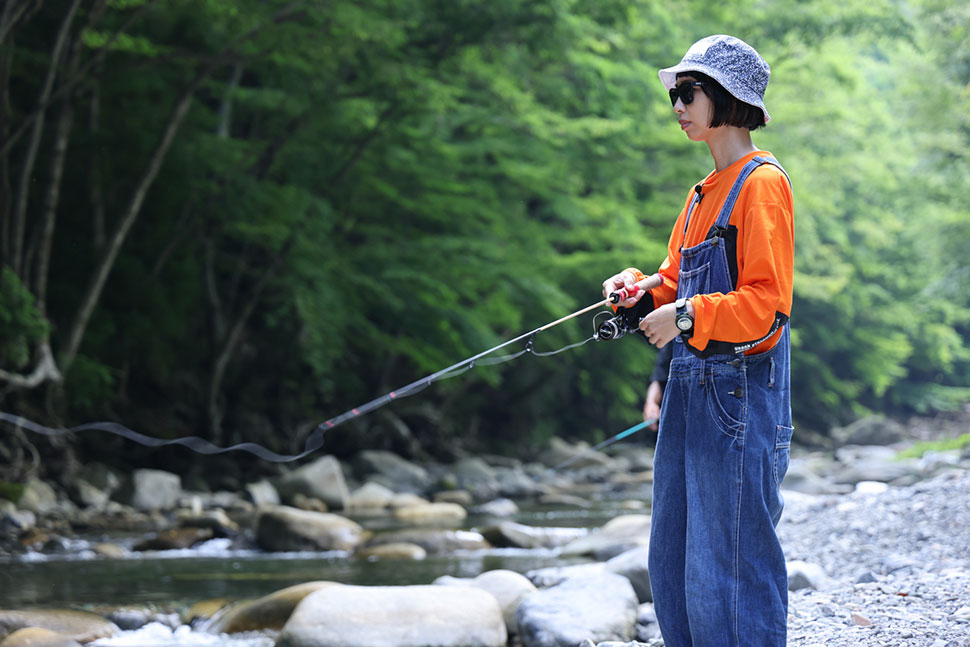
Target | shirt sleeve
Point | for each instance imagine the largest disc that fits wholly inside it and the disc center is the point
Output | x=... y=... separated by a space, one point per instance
x=762 y=300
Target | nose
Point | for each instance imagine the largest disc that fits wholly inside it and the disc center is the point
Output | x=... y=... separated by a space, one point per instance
x=679 y=106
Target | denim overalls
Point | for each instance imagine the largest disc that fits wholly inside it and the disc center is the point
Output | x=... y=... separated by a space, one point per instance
x=716 y=566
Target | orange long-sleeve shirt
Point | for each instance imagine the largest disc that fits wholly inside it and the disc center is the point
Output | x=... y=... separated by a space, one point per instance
x=763 y=215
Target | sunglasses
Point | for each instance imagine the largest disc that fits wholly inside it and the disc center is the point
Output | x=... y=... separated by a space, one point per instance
x=684 y=92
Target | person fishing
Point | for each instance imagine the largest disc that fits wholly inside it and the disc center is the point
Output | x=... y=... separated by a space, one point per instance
x=717 y=569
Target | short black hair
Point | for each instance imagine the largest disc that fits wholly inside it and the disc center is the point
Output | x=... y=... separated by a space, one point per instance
x=728 y=110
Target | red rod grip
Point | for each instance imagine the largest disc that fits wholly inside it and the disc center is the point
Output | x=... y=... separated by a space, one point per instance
x=623 y=293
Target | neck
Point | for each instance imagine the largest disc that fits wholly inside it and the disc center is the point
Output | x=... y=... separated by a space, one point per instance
x=728 y=144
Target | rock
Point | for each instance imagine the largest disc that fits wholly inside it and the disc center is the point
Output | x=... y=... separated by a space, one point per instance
x=216 y=521
x=802 y=477
x=558 y=498
x=282 y=528
x=436 y=542
x=477 y=477
x=514 y=482
x=38 y=497
x=88 y=495
x=396 y=616
x=620 y=534
x=149 y=490
x=133 y=618
x=80 y=626
x=100 y=476
x=322 y=479
x=601 y=607
x=509 y=534
x=431 y=513
x=871 y=430
x=309 y=503
x=111 y=551
x=498 y=508
x=204 y=610
x=371 y=496
x=405 y=499
x=268 y=612
x=559 y=451
x=37 y=637
x=461 y=497
x=861 y=620
x=632 y=565
x=507 y=587
x=263 y=493
x=399 y=550
x=17 y=521
x=545 y=578
x=174 y=539
x=391 y=471
x=804 y=575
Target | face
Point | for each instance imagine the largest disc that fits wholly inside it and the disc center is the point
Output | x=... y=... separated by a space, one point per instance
x=695 y=117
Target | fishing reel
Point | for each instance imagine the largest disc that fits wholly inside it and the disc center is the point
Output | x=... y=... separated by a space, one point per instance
x=613 y=328
x=626 y=320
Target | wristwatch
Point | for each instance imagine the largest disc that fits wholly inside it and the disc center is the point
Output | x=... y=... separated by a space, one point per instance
x=685 y=322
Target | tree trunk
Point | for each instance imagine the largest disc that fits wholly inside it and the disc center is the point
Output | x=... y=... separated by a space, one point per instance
x=27 y=168
x=93 y=293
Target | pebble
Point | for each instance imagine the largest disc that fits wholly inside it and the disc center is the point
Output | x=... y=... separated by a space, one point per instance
x=898 y=561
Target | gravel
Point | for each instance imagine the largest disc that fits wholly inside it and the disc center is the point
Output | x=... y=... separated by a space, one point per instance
x=896 y=563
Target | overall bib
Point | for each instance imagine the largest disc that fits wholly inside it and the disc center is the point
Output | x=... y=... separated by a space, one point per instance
x=716 y=565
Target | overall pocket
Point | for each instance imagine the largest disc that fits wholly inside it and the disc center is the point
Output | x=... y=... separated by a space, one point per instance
x=726 y=398
x=694 y=281
x=783 y=436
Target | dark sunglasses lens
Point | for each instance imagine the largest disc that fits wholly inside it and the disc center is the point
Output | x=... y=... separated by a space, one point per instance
x=684 y=91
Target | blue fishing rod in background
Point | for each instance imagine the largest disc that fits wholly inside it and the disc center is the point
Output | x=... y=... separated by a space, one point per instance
x=610 y=329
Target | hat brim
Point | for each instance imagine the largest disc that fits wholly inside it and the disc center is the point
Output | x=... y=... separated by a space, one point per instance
x=668 y=76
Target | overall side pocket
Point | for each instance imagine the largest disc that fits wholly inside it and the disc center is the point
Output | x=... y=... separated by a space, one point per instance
x=783 y=436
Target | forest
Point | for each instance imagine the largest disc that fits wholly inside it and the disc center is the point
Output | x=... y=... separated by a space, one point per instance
x=237 y=218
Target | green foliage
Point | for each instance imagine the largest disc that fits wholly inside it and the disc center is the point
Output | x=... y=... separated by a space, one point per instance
x=403 y=184
x=950 y=444
x=21 y=324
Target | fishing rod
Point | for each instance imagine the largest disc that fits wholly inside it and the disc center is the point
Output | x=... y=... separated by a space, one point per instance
x=608 y=330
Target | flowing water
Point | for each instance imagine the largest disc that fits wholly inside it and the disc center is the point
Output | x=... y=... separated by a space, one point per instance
x=76 y=577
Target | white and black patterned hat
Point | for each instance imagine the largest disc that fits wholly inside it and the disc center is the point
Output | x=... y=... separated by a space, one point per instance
x=731 y=62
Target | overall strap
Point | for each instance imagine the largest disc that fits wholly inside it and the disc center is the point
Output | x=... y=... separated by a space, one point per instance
x=725 y=215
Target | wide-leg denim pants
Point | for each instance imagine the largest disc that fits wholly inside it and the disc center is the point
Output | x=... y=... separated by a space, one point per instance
x=716 y=565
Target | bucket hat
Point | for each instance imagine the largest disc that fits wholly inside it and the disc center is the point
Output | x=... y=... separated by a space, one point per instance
x=731 y=62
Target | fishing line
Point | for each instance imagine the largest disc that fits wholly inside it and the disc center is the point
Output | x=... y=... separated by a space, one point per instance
x=315 y=440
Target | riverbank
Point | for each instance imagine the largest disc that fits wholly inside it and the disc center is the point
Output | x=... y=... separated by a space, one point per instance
x=877 y=544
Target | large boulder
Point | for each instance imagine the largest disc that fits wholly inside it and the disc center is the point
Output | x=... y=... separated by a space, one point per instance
x=507 y=587
x=618 y=535
x=149 y=490
x=601 y=607
x=395 y=616
x=79 y=626
x=322 y=479
x=282 y=528
x=268 y=612
x=391 y=471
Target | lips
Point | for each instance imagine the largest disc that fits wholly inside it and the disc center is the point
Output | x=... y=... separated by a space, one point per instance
x=683 y=124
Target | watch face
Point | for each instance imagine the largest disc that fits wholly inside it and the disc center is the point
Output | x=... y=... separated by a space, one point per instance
x=684 y=323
